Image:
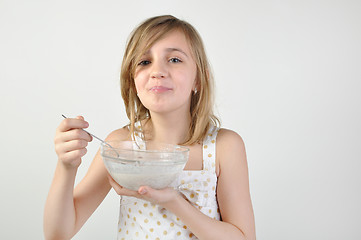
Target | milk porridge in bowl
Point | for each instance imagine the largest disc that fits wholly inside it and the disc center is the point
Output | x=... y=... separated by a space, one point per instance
x=133 y=164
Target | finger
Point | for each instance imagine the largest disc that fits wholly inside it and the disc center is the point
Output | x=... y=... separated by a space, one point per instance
x=160 y=196
x=74 y=145
x=121 y=190
x=76 y=154
x=149 y=193
x=75 y=134
x=117 y=188
x=72 y=123
x=143 y=190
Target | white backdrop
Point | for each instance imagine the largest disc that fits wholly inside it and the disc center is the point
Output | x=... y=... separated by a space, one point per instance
x=288 y=81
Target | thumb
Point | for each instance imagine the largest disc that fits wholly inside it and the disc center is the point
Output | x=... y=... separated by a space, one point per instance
x=143 y=190
x=161 y=196
x=80 y=117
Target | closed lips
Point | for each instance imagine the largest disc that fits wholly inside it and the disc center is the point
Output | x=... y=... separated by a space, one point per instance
x=159 y=89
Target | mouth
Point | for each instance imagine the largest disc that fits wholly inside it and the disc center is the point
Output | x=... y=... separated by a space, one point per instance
x=159 y=89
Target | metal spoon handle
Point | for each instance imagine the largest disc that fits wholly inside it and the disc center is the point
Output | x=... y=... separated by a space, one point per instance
x=96 y=138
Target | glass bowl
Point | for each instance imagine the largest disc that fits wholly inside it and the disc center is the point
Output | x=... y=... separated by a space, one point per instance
x=152 y=164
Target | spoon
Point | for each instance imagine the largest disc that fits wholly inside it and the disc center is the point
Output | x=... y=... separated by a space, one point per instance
x=104 y=142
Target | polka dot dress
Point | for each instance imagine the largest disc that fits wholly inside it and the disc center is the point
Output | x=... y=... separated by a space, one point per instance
x=140 y=219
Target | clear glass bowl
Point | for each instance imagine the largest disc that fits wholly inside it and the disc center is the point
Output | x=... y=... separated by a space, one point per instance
x=152 y=164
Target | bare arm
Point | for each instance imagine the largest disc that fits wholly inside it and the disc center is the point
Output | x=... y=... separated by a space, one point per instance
x=66 y=208
x=232 y=195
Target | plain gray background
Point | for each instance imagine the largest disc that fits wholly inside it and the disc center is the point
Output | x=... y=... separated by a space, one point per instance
x=287 y=80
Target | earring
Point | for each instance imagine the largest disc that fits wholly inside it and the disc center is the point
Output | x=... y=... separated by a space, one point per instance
x=195 y=90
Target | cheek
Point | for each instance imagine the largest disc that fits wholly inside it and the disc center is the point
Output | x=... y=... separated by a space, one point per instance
x=190 y=80
x=139 y=75
x=193 y=75
x=139 y=83
x=185 y=86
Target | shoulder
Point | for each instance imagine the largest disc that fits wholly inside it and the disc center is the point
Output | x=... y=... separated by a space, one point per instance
x=233 y=194
x=230 y=149
x=121 y=134
x=228 y=139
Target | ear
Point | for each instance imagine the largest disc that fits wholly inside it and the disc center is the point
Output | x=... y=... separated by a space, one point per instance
x=196 y=84
x=195 y=87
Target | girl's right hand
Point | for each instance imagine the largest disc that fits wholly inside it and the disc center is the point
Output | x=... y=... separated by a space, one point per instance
x=71 y=141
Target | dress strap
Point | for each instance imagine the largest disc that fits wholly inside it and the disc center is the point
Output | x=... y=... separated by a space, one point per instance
x=138 y=137
x=209 y=146
x=209 y=150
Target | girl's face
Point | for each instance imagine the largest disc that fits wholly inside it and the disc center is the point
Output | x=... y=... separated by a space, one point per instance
x=166 y=75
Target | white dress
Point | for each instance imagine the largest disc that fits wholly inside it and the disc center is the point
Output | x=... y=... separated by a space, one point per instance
x=140 y=219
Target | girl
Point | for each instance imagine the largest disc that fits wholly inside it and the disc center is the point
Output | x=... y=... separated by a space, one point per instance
x=166 y=86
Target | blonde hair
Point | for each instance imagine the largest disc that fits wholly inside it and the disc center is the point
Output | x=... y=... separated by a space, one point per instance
x=141 y=39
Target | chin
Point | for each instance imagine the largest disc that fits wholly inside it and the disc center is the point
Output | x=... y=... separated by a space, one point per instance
x=167 y=106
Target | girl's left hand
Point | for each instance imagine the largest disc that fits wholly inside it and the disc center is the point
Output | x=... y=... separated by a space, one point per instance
x=161 y=197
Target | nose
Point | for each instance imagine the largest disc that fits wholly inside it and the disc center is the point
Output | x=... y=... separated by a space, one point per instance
x=158 y=70
x=157 y=74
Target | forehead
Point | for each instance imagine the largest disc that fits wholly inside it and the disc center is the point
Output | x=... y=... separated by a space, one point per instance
x=174 y=40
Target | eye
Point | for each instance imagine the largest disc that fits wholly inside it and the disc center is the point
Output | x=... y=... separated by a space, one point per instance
x=143 y=63
x=175 y=60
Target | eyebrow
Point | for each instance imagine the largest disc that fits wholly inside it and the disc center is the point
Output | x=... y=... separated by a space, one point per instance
x=170 y=50
x=176 y=50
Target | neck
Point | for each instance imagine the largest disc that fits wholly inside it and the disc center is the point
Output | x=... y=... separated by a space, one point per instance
x=169 y=128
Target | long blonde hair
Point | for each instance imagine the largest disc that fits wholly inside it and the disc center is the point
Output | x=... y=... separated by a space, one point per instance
x=141 y=39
